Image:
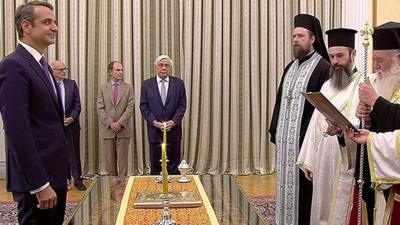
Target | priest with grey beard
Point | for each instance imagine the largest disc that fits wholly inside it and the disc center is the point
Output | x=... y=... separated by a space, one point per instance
x=324 y=157
x=379 y=99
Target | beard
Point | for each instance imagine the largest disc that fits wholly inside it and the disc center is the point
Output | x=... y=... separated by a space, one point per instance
x=301 y=51
x=395 y=69
x=388 y=81
x=341 y=75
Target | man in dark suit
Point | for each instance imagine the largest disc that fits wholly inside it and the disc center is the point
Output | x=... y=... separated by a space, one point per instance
x=72 y=108
x=37 y=153
x=163 y=99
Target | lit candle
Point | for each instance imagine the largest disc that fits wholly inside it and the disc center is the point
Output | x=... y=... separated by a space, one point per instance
x=164 y=162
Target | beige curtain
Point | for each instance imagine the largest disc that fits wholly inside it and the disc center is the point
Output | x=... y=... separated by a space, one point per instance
x=230 y=53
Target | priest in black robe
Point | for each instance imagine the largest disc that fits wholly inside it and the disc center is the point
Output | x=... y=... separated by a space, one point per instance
x=381 y=94
x=384 y=116
x=291 y=116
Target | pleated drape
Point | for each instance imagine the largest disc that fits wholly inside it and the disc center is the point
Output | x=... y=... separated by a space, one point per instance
x=230 y=53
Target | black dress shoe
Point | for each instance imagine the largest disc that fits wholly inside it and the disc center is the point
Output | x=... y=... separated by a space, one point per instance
x=80 y=186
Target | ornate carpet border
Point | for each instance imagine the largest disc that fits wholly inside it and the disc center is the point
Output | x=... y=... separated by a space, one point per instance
x=262 y=213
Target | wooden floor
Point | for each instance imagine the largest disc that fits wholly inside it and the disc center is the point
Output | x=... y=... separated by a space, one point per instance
x=73 y=195
x=252 y=185
x=257 y=185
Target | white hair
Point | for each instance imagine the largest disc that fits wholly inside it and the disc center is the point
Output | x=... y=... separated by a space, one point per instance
x=161 y=57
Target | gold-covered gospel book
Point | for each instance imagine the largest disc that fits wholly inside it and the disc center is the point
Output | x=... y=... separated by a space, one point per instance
x=178 y=199
x=326 y=108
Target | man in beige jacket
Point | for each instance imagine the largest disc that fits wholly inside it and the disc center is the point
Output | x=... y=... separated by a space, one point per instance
x=115 y=102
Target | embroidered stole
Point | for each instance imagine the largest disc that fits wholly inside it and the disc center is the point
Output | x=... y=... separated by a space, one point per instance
x=288 y=133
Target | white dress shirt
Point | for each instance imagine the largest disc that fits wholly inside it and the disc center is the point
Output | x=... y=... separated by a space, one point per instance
x=37 y=56
x=62 y=93
x=166 y=84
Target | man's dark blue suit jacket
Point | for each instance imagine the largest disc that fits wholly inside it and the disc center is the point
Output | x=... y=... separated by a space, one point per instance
x=72 y=104
x=33 y=124
x=152 y=108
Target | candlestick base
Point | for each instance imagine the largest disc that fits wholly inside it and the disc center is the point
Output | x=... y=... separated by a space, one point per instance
x=184 y=179
x=166 y=215
x=159 y=179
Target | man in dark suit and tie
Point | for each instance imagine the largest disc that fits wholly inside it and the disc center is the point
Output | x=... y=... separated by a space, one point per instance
x=163 y=99
x=72 y=108
x=37 y=153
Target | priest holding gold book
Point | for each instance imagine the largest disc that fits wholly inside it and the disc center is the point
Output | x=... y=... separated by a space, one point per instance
x=163 y=101
x=324 y=157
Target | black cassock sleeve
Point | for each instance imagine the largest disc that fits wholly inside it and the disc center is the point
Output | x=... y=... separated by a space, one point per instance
x=275 y=115
x=317 y=79
x=385 y=116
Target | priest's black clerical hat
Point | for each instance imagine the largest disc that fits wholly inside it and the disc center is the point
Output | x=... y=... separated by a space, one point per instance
x=312 y=24
x=386 y=36
x=341 y=37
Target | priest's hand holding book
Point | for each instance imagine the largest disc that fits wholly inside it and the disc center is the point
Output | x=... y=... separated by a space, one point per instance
x=360 y=138
x=334 y=129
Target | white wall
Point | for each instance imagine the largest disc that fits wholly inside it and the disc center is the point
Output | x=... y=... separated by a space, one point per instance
x=355 y=14
x=386 y=10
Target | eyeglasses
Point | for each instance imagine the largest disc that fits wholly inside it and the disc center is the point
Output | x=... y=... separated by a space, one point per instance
x=62 y=69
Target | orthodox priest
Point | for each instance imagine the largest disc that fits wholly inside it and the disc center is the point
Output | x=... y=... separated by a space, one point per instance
x=386 y=51
x=323 y=158
x=291 y=116
x=385 y=83
x=384 y=154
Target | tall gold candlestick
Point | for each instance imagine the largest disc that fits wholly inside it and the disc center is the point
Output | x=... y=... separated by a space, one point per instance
x=165 y=133
x=164 y=162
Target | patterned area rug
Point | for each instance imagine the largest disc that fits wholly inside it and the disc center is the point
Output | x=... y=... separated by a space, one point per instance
x=265 y=206
x=8 y=212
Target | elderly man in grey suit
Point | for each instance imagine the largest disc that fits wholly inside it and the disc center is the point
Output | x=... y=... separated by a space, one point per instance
x=115 y=102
